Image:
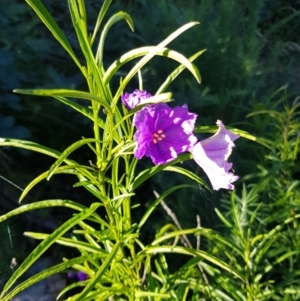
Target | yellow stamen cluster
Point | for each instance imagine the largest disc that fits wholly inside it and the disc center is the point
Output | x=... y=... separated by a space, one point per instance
x=158 y=136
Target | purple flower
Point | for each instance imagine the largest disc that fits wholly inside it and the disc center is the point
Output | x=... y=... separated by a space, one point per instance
x=132 y=100
x=163 y=133
x=82 y=276
x=212 y=154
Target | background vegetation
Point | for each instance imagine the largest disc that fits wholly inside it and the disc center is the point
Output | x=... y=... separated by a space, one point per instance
x=251 y=79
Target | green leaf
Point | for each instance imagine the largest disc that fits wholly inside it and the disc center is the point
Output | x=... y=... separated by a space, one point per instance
x=44 y=245
x=93 y=190
x=164 y=97
x=215 y=236
x=52 y=153
x=114 y=19
x=66 y=93
x=191 y=252
x=294 y=290
x=270 y=235
x=81 y=109
x=69 y=243
x=158 y=200
x=86 y=112
x=115 y=176
x=49 y=272
x=94 y=74
x=244 y=134
x=42 y=204
x=144 y=294
x=93 y=281
x=196 y=231
x=281 y=22
x=223 y=219
x=186 y=173
x=142 y=51
x=70 y=287
x=149 y=56
x=47 y=19
x=150 y=172
x=31 y=146
x=176 y=72
x=123 y=149
x=44 y=150
x=271 y=113
x=67 y=152
x=69 y=169
x=100 y=17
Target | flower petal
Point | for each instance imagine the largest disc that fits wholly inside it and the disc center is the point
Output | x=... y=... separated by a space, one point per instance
x=163 y=133
x=135 y=98
x=211 y=155
x=82 y=276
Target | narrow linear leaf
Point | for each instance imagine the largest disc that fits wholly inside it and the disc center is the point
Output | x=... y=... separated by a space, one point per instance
x=30 y=146
x=271 y=113
x=67 y=152
x=173 y=234
x=186 y=173
x=114 y=19
x=81 y=109
x=47 y=19
x=82 y=183
x=164 y=97
x=93 y=72
x=122 y=196
x=65 y=93
x=176 y=72
x=42 y=204
x=99 y=273
x=223 y=219
x=100 y=294
x=271 y=234
x=126 y=148
x=158 y=200
x=69 y=243
x=66 y=169
x=165 y=52
x=215 y=236
x=100 y=17
x=282 y=22
x=149 y=56
x=52 y=153
x=44 y=245
x=150 y=172
x=144 y=294
x=191 y=252
x=70 y=287
x=85 y=112
x=47 y=273
x=244 y=134
x=294 y=290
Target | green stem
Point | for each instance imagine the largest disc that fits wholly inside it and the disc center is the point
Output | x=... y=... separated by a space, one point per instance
x=96 y=108
x=97 y=132
x=127 y=201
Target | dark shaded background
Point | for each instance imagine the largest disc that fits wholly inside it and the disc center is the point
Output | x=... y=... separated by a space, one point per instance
x=252 y=50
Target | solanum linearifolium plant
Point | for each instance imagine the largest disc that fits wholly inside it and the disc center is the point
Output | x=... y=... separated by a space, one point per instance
x=113 y=263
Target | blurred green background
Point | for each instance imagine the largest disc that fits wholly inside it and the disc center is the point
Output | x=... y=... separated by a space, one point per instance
x=251 y=64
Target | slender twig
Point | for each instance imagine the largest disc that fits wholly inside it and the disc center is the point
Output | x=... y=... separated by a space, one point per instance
x=185 y=239
x=145 y=273
x=198 y=235
x=11 y=183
